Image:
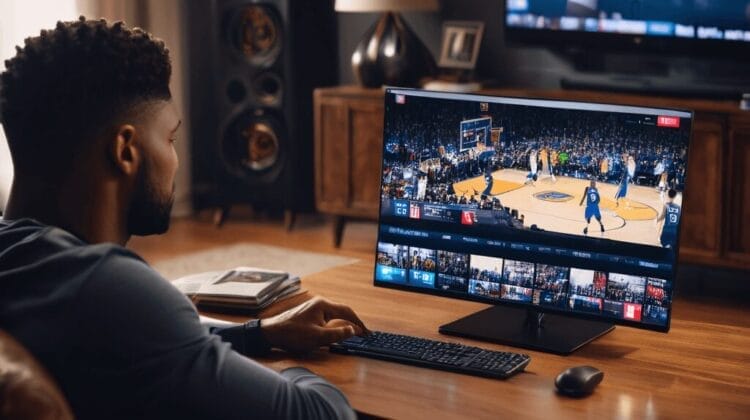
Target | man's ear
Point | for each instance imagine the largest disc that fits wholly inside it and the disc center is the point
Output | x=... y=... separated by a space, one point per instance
x=123 y=152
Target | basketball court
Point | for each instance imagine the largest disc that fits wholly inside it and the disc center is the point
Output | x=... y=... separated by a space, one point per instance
x=554 y=206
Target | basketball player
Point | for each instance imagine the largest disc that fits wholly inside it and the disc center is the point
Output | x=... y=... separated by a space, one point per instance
x=553 y=160
x=622 y=190
x=591 y=195
x=488 y=181
x=533 y=166
x=662 y=187
x=671 y=217
x=631 y=166
x=546 y=157
x=603 y=168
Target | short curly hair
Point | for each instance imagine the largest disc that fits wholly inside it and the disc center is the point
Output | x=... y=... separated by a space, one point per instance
x=73 y=83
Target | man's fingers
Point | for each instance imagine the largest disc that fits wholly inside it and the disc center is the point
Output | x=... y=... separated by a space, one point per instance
x=328 y=335
x=336 y=310
x=343 y=323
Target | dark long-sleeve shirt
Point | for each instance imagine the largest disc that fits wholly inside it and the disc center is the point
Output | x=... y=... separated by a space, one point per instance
x=123 y=343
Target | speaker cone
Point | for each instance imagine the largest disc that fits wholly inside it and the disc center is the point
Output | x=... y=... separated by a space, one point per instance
x=253 y=146
x=262 y=146
x=255 y=33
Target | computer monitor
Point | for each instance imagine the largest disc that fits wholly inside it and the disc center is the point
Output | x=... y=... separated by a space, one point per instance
x=563 y=215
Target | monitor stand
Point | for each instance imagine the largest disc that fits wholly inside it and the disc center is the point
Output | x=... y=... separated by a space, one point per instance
x=528 y=328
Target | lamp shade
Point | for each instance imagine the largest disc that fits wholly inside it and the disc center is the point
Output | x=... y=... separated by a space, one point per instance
x=386 y=5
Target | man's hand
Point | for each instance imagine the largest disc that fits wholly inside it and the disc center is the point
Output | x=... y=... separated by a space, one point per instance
x=315 y=323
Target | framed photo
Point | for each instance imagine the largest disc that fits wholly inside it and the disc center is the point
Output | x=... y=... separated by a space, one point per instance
x=461 y=40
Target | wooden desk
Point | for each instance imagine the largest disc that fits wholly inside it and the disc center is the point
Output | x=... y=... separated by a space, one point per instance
x=698 y=370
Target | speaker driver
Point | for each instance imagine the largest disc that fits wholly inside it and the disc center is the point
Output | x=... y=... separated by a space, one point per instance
x=255 y=33
x=253 y=147
x=262 y=146
x=268 y=88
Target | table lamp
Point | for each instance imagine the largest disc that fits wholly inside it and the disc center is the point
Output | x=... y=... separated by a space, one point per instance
x=390 y=52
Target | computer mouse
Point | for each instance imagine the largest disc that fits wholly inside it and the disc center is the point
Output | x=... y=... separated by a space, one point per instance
x=578 y=381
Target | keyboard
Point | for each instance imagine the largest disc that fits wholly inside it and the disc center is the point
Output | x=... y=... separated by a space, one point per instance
x=434 y=354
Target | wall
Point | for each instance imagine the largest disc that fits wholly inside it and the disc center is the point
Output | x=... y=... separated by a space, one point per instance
x=20 y=19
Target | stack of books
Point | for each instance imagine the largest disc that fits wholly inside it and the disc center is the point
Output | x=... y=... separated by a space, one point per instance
x=245 y=290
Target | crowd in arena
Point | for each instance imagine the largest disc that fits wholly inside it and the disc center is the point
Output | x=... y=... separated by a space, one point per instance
x=552 y=278
x=453 y=264
x=519 y=273
x=625 y=291
x=392 y=255
x=581 y=148
x=486 y=275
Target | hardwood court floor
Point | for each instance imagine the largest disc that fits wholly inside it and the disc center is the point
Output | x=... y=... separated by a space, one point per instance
x=634 y=220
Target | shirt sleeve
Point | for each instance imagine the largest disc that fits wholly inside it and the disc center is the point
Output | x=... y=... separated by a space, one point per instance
x=147 y=355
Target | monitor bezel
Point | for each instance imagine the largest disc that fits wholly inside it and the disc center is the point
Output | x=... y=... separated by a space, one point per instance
x=388 y=90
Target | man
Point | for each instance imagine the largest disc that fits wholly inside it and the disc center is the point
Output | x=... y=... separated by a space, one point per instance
x=91 y=126
x=627 y=176
x=671 y=216
x=546 y=157
x=489 y=181
x=531 y=177
x=591 y=195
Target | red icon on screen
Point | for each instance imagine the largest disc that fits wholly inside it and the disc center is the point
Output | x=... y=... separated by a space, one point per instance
x=414 y=211
x=631 y=311
x=401 y=99
x=468 y=217
x=664 y=121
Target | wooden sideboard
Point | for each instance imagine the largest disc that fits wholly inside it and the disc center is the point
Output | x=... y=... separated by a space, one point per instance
x=716 y=213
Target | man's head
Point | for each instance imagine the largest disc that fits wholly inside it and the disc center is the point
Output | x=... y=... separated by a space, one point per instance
x=89 y=97
x=672 y=193
x=592 y=184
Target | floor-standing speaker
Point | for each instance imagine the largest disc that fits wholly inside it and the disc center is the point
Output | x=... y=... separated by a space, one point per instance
x=253 y=67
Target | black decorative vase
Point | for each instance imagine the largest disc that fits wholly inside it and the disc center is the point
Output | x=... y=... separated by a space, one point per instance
x=391 y=54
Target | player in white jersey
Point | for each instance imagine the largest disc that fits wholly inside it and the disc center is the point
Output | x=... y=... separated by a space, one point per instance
x=533 y=167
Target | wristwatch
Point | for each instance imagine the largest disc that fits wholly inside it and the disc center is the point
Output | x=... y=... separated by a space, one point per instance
x=255 y=342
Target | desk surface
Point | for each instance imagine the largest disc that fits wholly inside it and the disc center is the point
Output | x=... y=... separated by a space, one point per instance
x=700 y=369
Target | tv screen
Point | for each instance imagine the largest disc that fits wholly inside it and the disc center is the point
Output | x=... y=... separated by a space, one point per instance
x=676 y=24
x=566 y=207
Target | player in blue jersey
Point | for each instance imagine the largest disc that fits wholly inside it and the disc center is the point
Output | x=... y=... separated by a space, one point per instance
x=591 y=196
x=671 y=216
x=488 y=181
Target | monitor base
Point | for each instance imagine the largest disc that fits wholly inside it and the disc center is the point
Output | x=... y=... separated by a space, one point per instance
x=528 y=328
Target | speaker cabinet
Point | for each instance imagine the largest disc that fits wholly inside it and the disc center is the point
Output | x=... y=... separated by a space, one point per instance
x=253 y=68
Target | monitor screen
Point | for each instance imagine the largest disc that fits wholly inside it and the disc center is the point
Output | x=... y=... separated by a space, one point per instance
x=566 y=207
x=691 y=19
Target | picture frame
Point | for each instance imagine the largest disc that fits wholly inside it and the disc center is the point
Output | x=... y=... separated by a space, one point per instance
x=460 y=44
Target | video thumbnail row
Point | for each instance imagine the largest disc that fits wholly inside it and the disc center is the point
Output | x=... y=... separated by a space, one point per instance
x=622 y=296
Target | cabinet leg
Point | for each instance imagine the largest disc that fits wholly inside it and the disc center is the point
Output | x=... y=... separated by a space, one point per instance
x=220 y=215
x=290 y=217
x=338 y=230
